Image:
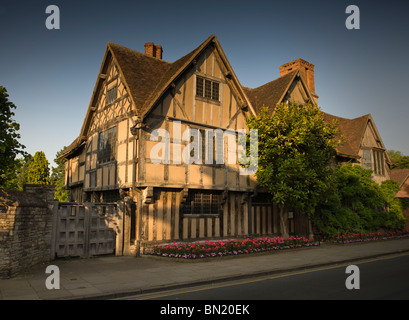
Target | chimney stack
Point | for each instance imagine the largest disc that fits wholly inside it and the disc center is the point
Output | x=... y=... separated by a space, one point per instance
x=158 y=51
x=307 y=71
x=153 y=50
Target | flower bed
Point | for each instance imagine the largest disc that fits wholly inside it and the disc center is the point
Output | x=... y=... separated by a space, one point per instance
x=362 y=237
x=220 y=248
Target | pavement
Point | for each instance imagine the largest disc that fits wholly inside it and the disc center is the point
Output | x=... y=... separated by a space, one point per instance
x=110 y=277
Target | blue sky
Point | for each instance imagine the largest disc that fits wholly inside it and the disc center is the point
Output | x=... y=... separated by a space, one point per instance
x=50 y=74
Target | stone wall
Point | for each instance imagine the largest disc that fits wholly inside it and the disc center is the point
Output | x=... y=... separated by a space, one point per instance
x=25 y=229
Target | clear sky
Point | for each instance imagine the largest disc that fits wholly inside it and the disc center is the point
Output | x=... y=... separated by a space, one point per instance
x=50 y=74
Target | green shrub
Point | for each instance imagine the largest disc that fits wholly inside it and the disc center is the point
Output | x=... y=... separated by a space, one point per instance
x=356 y=203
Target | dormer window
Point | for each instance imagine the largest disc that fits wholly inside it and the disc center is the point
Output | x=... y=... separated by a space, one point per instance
x=206 y=88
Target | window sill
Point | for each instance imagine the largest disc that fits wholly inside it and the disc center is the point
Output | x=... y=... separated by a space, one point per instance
x=211 y=101
x=105 y=164
x=204 y=215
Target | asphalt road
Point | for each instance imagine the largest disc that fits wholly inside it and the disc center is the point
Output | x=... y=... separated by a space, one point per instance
x=384 y=278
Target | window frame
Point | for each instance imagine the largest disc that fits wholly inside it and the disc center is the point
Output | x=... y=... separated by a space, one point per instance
x=202 y=203
x=209 y=156
x=377 y=160
x=207 y=89
x=107 y=138
x=111 y=95
x=367 y=163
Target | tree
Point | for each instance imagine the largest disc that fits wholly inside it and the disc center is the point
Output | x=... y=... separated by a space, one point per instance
x=10 y=147
x=38 y=170
x=23 y=171
x=296 y=146
x=57 y=179
x=401 y=161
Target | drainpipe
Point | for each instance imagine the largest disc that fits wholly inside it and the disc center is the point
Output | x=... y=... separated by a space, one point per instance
x=136 y=133
x=250 y=214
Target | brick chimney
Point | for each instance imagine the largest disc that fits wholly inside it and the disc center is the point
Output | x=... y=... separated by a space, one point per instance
x=306 y=69
x=153 y=50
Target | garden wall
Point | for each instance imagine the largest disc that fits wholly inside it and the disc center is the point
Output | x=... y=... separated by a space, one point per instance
x=25 y=229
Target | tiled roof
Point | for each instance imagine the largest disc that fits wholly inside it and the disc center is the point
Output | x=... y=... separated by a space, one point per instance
x=399 y=175
x=352 y=130
x=172 y=72
x=148 y=77
x=402 y=177
x=142 y=73
x=270 y=93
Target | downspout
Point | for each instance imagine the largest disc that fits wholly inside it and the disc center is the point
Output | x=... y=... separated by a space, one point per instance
x=250 y=214
x=136 y=133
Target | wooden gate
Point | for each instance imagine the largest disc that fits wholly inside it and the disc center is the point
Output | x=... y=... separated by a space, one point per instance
x=264 y=216
x=301 y=224
x=84 y=230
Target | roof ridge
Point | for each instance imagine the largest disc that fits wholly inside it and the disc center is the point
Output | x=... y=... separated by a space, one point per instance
x=350 y=119
x=137 y=52
x=279 y=78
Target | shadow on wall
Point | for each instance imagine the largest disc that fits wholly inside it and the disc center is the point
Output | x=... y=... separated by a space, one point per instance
x=25 y=228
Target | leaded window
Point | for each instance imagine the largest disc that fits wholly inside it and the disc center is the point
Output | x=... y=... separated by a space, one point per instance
x=206 y=88
x=379 y=162
x=112 y=94
x=202 y=202
x=107 y=145
x=374 y=160
x=207 y=145
x=367 y=159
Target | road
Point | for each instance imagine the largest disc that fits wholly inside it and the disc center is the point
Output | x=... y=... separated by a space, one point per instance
x=385 y=278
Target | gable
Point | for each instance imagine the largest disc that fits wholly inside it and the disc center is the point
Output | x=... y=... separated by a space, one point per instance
x=112 y=104
x=289 y=87
x=296 y=92
x=207 y=59
x=183 y=102
x=371 y=138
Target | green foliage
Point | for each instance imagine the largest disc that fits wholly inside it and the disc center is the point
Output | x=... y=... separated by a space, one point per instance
x=23 y=171
x=358 y=204
x=57 y=179
x=296 y=146
x=11 y=176
x=38 y=170
x=395 y=218
x=10 y=147
x=401 y=161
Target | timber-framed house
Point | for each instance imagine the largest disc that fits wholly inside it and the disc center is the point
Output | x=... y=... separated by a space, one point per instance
x=138 y=93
